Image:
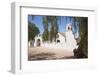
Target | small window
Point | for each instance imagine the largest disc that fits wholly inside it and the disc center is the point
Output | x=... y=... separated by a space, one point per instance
x=58 y=41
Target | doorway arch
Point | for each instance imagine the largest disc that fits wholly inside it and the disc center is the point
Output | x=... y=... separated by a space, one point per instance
x=38 y=43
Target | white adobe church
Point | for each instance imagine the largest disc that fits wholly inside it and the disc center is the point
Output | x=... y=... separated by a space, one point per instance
x=64 y=40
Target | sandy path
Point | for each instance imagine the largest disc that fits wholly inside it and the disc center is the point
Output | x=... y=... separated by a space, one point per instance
x=58 y=52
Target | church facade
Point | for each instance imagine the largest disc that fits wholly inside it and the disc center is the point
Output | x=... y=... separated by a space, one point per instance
x=65 y=40
x=60 y=42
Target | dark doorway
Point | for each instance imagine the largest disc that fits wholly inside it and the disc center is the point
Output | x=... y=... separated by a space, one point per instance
x=58 y=41
x=38 y=42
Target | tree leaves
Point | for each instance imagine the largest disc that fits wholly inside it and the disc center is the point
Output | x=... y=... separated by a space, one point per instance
x=32 y=31
x=50 y=28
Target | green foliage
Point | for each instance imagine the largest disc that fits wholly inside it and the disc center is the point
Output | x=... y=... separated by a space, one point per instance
x=45 y=35
x=50 y=22
x=32 y=31
x=82 y=51
x=46 y=32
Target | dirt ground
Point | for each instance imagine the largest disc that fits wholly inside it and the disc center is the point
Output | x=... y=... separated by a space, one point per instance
x=43 y=53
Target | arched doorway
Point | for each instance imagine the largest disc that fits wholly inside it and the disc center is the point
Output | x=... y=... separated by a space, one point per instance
x=38 y=42
x=58 y=41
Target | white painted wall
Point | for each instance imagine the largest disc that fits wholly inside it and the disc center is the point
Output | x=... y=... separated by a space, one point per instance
x=61 y=38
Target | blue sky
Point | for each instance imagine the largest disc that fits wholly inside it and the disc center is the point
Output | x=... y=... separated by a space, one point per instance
x=61 y=23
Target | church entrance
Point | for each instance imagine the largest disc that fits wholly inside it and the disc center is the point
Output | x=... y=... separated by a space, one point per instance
x=38 y=42
x=58 y=41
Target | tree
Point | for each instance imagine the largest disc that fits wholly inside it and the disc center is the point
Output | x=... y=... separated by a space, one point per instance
x=82 y=51
x=32 y=31
x=46 y=32
x=50 y=22
x=54 y=27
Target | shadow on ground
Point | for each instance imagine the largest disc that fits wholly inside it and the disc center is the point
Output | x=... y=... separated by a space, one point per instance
x=46 y=56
